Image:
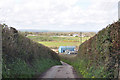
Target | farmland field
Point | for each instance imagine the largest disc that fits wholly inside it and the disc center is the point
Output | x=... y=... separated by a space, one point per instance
x=55 y=42
x=48 y=38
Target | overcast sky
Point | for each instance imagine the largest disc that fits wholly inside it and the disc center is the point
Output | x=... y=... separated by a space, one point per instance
x=70 y=15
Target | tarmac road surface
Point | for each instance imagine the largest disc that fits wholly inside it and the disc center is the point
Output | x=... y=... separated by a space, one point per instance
x=60 y=71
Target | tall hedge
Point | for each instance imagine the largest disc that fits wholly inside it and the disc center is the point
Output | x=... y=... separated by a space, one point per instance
x=103 y=50
x=22 y=57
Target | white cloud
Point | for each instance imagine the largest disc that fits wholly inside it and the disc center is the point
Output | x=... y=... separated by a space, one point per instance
x=52 y=14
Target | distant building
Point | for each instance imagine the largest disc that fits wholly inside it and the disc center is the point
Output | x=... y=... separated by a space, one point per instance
x=75 y=35
x=82 y=36
x=62 y=49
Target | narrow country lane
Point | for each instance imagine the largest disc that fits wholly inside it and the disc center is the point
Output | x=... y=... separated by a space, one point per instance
x=61 y=71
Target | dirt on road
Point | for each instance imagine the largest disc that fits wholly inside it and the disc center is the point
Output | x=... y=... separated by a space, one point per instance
x=61 y=71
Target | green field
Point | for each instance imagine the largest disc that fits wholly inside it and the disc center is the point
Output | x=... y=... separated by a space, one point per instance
x=47 y=38
x=55 y=42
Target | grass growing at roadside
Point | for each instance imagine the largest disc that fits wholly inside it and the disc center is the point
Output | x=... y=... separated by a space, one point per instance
x=21 y=69
x=85 y=67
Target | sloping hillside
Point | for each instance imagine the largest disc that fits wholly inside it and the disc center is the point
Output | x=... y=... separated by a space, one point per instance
x=99 y=56
x=23 y=58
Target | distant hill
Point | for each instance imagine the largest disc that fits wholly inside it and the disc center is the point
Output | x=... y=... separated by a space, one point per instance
x=56 y=33
x=38 y=30
x=33 y=30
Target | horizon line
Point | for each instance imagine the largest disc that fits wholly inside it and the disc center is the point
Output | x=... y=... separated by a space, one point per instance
x=39 y=30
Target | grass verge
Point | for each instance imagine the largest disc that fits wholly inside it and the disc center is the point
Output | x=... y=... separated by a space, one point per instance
x=21 y=69
x=85 y=67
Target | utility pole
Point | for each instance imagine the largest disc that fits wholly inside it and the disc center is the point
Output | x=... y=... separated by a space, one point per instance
x=81 y=37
